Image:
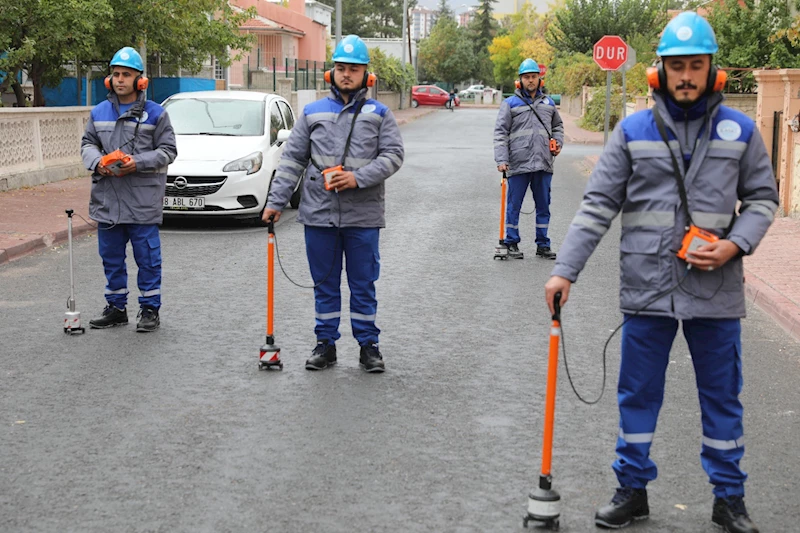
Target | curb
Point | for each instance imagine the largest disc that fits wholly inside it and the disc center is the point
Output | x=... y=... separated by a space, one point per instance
x=403 y=121
x=785 y=312
x=43 y=241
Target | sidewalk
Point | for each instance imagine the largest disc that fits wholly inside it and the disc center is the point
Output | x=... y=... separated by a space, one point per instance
x=33 y=218
x=772 y=281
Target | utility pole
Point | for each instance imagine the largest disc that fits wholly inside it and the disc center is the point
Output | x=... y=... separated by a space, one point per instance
x=338 y=21
x=403 y=48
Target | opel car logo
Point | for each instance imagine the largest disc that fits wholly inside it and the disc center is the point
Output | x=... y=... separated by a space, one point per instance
x=180 y=182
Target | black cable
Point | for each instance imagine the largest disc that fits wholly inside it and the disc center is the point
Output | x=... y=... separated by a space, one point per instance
x=335 y=246
x=605 y=347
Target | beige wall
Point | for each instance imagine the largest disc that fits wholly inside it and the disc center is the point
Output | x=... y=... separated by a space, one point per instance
x=40 y=145
x=779 y=90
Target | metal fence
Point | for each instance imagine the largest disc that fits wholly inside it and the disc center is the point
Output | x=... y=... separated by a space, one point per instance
x=262 y=73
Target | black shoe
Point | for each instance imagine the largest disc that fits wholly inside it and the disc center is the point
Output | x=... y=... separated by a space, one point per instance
x=513 y=251
x=371 y=359
x=111 y=317
x=627 y=505
x=148 y=319
x=323 y=356
x=731 y=515
x=545 y=252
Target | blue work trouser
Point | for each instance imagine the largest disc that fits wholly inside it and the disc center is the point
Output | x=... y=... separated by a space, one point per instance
x=716 y=348
x=146 y=243
x=359 y=246
x=539 y=182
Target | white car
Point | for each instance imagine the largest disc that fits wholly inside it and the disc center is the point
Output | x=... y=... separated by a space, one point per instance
x=228 y=151
x=475 y=90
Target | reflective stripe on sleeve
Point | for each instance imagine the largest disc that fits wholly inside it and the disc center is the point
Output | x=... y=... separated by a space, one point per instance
x=588 y=223
x=712 y=220
x=648 y=218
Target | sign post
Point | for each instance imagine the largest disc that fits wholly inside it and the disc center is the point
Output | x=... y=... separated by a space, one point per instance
x=625 y=68
x=610 y=53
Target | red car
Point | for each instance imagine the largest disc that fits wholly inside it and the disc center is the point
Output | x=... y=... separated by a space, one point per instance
x=430 y=95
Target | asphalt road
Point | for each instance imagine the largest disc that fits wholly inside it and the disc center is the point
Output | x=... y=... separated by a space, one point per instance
x=178 y=430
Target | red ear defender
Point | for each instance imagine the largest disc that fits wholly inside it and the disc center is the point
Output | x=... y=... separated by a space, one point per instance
x=652 y=78
x=329 y=76
x=142 y=83
x=107 y=82
x=517 y=84
x=371 y=79
x=719 y=82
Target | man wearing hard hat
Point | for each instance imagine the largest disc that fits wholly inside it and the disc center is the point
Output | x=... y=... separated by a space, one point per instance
x=347 y=144
x=128 y=144
x=676 y=173
x=528 y=134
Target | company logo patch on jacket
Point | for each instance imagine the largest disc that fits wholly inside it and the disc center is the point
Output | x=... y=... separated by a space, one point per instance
x=729 y=130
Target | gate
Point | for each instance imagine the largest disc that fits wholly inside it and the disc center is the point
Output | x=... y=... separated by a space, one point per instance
x=777 y=140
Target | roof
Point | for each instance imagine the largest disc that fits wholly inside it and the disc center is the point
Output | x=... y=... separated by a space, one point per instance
x=226 y=95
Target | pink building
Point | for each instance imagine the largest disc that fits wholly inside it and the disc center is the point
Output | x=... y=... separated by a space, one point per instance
x=282 y=33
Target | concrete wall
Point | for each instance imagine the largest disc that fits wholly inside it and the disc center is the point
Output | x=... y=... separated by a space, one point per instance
x=40 y=145
x=746 y=103
x=779 y=90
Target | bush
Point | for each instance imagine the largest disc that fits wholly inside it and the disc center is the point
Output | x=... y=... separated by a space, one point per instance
x=595 y=116
x=390 y=71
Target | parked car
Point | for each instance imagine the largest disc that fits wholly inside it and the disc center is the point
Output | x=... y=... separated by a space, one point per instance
x=430 y=95
x=228 y=151
x=473 y=90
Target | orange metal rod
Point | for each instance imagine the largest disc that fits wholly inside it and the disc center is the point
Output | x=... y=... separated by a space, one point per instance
x=550 y=398
x=270 y=280
x=502 y=207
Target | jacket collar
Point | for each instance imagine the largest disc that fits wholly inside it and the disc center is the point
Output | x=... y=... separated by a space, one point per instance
x=526 y=96
x=336 y=96
x=705 y=106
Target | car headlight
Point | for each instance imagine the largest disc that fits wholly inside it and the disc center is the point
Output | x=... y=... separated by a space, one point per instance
x=251 y=163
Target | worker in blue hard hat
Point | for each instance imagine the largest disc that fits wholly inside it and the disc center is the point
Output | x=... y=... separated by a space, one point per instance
x=128 y=190
x=694 y=184
x=347 y=145
x=528 y=135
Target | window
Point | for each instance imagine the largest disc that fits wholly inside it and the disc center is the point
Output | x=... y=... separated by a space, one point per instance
x=219 y=70
x=275 y=123
x=287 y=114
x=422 y=90
x=216 y=116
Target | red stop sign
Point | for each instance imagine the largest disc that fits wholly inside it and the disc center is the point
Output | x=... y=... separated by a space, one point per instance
x=542 y=70
x=610 y=52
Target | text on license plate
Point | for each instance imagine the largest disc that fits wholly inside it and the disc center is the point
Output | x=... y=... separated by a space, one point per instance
x=175 y=202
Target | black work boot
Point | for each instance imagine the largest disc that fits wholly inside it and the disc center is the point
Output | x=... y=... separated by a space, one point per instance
x=513 y=252
x=111 y=317
x=731 y=515
x=371 y=359
x=545 y=252
x=627 y=505
x=323 y=356
x=148 y=319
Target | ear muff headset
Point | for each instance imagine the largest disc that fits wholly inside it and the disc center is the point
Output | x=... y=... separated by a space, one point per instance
x=369 y=79
x=657 y=78
x=140 y=83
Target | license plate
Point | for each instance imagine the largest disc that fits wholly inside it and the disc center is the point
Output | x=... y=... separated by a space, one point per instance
x=175 y=202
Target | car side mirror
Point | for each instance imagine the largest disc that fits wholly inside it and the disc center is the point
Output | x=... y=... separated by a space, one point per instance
x=283 y=135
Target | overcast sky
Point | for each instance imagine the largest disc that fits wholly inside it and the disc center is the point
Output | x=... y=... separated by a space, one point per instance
x=458 y=5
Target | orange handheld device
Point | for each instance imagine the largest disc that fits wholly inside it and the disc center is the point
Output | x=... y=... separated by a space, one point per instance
x=694 y=239
x=553 y=145
x=114 y=161
x=326 y=172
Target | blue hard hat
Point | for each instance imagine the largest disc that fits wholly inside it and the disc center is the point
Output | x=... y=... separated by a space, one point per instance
x=528 y=66
x=351 y=49
x=688 y=34
x=128 y=57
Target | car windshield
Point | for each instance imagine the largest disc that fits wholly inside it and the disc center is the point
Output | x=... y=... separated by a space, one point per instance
x=216 y=116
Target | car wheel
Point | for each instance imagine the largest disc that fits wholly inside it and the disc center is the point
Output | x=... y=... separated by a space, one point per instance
x=414 y=103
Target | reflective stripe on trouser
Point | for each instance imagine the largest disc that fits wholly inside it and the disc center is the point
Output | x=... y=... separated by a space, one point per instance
x=146 y=244
x=715 y=346
x=539 y=182
x=359 y=246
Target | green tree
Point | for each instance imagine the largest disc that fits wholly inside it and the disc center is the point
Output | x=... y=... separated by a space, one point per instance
x=481 y=30
x=41 y=36
x=182 y=33
x=371 y=18
x=523 y=37
x=448 y=54
x=390 y=71
x=443 y=10
x=580 y=23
